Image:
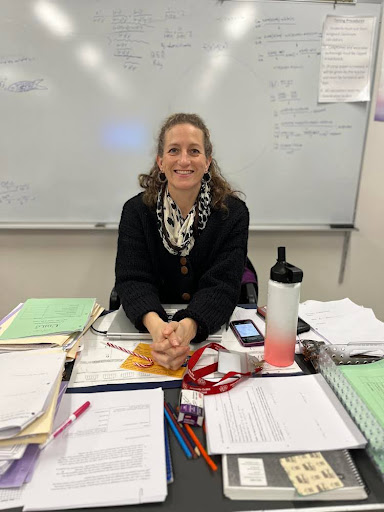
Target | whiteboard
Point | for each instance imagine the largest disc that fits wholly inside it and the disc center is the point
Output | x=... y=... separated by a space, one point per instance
x=85 y=85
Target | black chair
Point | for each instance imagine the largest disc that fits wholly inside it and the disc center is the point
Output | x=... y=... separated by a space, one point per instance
x=248 y=294
x=249 y=291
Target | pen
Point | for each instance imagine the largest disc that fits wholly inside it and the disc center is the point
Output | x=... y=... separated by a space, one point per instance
x=207 y=458
x=66 y=423
x=177 y=435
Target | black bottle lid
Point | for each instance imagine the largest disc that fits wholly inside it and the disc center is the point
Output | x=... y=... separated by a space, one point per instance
x=284 y=272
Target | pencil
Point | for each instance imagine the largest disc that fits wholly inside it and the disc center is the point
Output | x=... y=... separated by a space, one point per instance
x=207 y=458
x=177 y=435
x=189 y=441
x=179 y=429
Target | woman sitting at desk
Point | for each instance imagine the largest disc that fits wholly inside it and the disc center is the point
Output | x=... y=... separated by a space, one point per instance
x=182 y=240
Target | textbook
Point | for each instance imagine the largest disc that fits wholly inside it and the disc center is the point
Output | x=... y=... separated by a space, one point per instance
x=260 y=476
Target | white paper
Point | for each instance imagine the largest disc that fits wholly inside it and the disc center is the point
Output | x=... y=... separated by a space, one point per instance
x=27 y=380
x=342 y=321
x=279 y=415
x=12 y=498
x=13 y=452
x=346 y=58
x=98 y=364
x=112 y=455
x=252 y=472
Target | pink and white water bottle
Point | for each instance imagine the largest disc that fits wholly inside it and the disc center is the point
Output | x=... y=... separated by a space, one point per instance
x=282 y=312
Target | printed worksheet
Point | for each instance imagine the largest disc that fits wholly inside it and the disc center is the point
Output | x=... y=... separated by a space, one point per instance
x=279 y=415
x=112 y=455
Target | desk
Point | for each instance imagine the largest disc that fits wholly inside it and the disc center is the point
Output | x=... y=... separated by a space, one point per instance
x=195 y=486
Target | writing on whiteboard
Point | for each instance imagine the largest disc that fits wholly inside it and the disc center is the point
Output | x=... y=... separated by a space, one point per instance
x=23 y=85
x=10 y=59
x=12 y=193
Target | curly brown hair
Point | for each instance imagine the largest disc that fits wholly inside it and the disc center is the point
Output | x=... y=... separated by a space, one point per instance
x=151 y=183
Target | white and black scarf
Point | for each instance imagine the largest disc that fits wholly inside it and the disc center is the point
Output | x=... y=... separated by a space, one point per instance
x=177 y=233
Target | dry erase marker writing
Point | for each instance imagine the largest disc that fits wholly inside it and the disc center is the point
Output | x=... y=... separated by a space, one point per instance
x=66 y=423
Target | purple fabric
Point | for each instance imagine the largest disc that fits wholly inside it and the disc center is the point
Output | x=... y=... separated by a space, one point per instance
x=248 y=276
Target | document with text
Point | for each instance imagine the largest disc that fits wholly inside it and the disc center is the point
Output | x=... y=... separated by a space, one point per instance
x=27 y=382
x=346 y=58
x=342 y=321
x=279 y=415
x=112 y=455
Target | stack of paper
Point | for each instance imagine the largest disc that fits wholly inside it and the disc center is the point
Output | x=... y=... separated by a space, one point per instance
x=342 y=321
x=113 y=455
x=44 y=323
x=17 y=462
x=29 y=389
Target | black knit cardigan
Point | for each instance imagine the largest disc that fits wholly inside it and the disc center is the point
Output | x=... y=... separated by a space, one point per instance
x=208 y=279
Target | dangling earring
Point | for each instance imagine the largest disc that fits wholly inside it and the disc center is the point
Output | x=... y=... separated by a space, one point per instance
x=207 y=177
x=162 y=177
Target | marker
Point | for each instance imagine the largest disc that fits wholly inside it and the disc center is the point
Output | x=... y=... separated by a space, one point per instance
x=66 y=423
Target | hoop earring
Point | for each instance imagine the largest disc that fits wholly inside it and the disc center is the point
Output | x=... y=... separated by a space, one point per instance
x=162 y=177
x=207 y=177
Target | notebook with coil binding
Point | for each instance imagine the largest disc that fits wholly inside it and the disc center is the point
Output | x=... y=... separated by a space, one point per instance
x=261 y=477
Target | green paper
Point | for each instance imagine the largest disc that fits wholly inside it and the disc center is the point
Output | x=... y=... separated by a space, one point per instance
x=39 y=317
x=368 y=382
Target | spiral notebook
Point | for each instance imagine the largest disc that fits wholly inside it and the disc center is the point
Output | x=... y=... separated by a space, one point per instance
x=262 y=477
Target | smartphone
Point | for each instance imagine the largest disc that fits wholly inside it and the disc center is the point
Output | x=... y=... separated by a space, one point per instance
x=247 y=333
x=301 y=325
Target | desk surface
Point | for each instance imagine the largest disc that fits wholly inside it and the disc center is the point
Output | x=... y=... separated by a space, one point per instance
x=196 y=486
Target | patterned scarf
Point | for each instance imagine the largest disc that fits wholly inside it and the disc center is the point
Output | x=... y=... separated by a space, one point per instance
x=177 y=233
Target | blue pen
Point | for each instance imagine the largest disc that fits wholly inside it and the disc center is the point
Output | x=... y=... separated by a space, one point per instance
x=177 y=435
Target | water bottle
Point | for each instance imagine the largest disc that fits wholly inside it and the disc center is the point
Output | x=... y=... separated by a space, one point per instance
x=282 y=311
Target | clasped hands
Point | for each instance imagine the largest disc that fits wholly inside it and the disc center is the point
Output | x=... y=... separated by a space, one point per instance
x=170 y=345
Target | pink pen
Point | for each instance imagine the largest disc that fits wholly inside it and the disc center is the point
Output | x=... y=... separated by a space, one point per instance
x=66 y=423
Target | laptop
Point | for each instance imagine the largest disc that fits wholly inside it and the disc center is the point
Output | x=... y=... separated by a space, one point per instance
x=122 y=328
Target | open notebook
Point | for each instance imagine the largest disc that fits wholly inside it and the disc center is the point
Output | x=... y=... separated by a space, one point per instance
x=122 y=328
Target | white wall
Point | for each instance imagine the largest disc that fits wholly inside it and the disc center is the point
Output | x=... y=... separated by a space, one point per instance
x=81 y=263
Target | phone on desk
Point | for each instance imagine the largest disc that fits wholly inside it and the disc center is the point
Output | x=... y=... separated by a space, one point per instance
x=301 y=325
x=247 y=333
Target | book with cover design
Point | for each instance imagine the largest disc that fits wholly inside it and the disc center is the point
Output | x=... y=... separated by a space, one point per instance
x=262 y=477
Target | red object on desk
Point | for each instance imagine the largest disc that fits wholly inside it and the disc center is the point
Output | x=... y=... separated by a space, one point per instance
x=66 y=424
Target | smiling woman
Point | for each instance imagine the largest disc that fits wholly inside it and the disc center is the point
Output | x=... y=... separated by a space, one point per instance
x=184 y=164
x=182 y=240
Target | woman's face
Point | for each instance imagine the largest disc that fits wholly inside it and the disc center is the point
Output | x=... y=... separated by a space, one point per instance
x=183 y=161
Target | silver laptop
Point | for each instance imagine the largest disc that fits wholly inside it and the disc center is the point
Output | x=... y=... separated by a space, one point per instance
x=122 y=328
